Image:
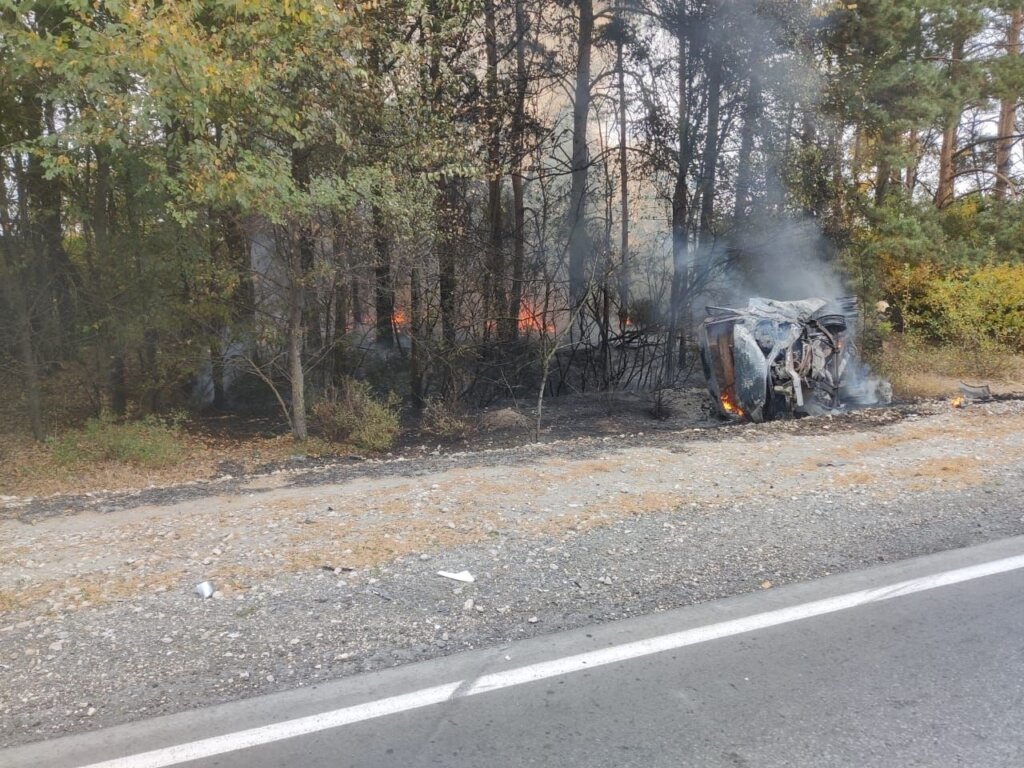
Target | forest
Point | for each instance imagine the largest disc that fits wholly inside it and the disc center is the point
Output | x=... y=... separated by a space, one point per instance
x=314 y=208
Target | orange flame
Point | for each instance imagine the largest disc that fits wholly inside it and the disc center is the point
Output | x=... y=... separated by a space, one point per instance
x=958 y=402
x=399 y=318
x=531 y=319
x=730 y=407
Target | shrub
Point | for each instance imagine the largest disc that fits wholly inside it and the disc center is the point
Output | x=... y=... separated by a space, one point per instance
x=979 y=308
x=353 y=415
x=443 y=420
x=149 y=442
x=984 y=306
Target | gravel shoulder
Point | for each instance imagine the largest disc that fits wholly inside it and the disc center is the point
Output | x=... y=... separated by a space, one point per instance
x=332 y=571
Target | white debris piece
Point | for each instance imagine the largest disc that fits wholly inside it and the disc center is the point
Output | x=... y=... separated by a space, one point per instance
x=204 y=589
x=464 y=576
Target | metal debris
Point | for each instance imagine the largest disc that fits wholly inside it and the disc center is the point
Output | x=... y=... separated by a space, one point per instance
x=463 y=576
x=975 y=393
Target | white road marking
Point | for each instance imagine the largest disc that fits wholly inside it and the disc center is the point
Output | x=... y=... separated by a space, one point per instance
x=253 y=737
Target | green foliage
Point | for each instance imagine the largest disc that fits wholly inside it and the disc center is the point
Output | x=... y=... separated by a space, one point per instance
x=149 y=442
x=355 y=416
x=982 y=307
x=952 y=277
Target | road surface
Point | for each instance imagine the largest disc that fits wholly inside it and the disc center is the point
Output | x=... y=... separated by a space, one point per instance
x=920 y=663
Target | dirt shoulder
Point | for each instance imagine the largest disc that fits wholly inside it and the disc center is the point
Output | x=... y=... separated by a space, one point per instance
x=328 y=571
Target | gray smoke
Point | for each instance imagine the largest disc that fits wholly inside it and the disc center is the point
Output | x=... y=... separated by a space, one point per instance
x=785 y=260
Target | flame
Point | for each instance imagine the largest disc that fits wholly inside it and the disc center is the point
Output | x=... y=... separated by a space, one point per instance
x=958 y=401
x=399 y=318
x=531 y=319
x=730 y=407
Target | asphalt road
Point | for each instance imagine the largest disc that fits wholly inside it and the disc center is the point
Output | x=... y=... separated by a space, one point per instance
x=919 y=663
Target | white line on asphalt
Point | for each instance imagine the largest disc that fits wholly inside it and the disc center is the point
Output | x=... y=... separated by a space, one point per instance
x=253 y=737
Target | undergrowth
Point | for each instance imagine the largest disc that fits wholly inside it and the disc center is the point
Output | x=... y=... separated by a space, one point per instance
x=149 y=442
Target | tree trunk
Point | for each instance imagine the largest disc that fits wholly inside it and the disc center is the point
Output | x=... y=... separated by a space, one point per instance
x=496 y=296
x=710 y=158
x=679 y=293
x=300 y=263
x=910 y=172
x=709 y=162
x=101 y=228
x=340 y=328
x=15 y=296
x=1008 y=113
x=624 y=281
x=579 y=241
x=945 y=191
x=445 y=213
x=744 y=173
x=518 y=140
x=446 y=244
x=416 y=347
x=296 y=338
x=29 y=368
x=15 y=293
x=47 y=205
x=384 y=292
x=883 y=169
x=118 y=382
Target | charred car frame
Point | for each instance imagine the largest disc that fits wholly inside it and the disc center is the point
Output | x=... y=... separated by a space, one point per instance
x=776 y=359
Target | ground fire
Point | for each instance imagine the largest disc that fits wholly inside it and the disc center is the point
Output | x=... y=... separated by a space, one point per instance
x=774 y=359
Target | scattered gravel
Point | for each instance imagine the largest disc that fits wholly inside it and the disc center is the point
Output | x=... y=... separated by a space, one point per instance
x=335 y=572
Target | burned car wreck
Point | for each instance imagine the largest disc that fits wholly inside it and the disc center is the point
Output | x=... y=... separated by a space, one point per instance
x=777 y=359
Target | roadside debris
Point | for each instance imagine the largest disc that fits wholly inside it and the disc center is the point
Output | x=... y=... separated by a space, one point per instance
x=204 y=589
x=337 y=569
x=463 y=576
x=979 y=393
x=784 y=358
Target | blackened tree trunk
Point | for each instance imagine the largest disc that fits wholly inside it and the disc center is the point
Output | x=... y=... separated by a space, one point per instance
x=579 y=240
x=518 y=140
x=709 y=162
x=620 y=67
x=709 y=159
x=679 y=293
x=447 y=212
x=496 y=295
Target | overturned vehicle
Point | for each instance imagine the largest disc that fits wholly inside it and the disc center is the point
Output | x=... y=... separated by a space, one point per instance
x=778 y=359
